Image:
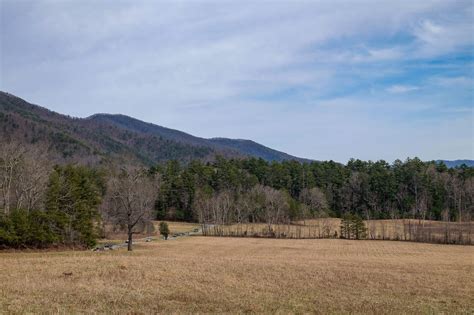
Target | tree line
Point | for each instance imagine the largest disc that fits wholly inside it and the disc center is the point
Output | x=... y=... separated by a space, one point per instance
x=43 y=204
x=246 y=190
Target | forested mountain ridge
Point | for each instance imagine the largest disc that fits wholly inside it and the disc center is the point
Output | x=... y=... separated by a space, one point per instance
x=255 y=149
x=135 y=125
x=74 y=139
x=455 y=163
x=103 y=137
x=241 y=147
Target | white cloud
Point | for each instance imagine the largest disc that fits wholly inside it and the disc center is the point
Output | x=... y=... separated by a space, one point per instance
x=429 y=32
x=402 y=88
x=437 y=38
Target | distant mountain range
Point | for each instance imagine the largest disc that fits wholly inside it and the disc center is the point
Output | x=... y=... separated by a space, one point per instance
x=456 y=163
x=107 y=137
x=103 y=137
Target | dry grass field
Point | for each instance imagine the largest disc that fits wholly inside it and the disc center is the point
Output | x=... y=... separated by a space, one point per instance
x=175 y=227
x=243 y=275
x=408 y=230
x=178 y=227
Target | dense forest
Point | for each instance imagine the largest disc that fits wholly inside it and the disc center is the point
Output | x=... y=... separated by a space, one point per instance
x=44 y=204
x=372 y=190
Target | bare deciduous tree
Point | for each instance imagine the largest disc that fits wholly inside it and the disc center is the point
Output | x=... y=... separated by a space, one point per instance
x=24 y=174
x=11 y=155
x=31 y=181
x=315 y=199
x=131 y=196
x=275 y=205
x=214 y=208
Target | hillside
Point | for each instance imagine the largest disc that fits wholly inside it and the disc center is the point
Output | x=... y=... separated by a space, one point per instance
x=104 y=137
x=251 y=148
x=141 y=127
x=238 y=146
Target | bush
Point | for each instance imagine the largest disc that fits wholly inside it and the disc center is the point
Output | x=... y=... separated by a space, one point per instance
x=164 y=229
x=22 y=229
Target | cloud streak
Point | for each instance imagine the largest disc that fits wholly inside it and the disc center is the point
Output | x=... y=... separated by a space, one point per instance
x=402 y=88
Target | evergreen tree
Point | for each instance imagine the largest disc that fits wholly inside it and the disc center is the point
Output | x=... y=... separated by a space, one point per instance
x=164 y=229
x=359 y=231
x=72 y=200
x=346 y=231
x=353 y=227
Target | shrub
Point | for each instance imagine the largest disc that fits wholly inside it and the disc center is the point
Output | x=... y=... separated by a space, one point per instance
x=164 y=229
x=23 y=229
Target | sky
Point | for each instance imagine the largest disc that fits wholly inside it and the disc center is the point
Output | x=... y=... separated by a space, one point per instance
x=316 y=79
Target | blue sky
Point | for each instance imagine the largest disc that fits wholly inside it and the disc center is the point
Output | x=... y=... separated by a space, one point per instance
x=317 y=79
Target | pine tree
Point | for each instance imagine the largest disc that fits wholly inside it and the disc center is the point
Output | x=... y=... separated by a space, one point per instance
x=358 y=227
x=164 y=229
x=72 y=201
x=353 y=227
x=346 y=231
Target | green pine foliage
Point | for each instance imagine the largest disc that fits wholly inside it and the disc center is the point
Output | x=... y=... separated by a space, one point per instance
x=353 y=227
x=346 y=226
x=70 y=215
x=359 y=231
x=22 y=229
x=72 y=200
x=164 y=229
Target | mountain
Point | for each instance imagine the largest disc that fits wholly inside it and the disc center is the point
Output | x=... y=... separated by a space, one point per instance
x=251 y=148
x=242 y=147
x=104 y=137
x=141 y=127
x=455 y=163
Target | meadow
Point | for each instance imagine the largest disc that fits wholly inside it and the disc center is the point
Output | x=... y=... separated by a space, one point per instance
x=427 y=231
x=242 y=275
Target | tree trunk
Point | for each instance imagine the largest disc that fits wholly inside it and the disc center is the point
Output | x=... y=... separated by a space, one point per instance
x=129 y=245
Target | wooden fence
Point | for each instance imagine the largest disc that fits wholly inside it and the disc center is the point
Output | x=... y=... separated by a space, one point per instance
x=400 y=230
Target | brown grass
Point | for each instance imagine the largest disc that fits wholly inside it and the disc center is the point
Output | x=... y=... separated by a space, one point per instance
x=407 y=230
x=235 y=275
x=178 y=227
x=175 y=227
